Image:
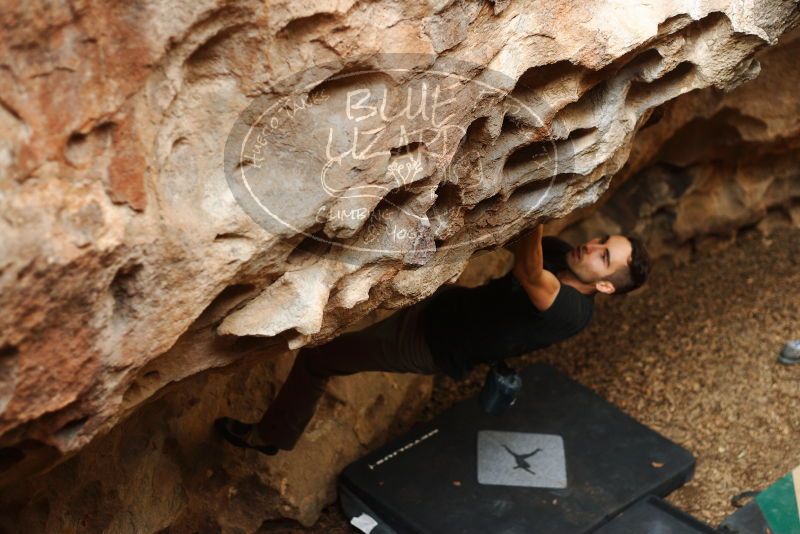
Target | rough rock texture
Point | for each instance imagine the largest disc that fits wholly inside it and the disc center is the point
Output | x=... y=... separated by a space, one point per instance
x=711 y=163
x=126 y=263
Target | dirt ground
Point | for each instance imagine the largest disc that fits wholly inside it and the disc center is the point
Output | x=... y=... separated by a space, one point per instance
x=692 y=355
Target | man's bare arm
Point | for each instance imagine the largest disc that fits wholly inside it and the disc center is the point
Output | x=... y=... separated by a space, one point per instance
x=528 y=253
x=541 y=285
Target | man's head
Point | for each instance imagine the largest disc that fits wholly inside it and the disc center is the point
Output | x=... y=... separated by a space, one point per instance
x=612 y=264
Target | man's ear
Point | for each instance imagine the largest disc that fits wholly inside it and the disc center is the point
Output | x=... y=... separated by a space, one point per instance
x=604 y=286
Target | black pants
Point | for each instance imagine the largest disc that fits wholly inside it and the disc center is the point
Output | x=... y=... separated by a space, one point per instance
x=395 y=344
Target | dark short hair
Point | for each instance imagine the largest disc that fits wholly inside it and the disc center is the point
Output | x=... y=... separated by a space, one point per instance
x=626 y=279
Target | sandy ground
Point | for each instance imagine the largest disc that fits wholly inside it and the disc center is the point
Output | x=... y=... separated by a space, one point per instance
x=692 y=355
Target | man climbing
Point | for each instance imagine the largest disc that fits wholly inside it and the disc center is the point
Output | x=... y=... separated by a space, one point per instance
x=548 y=296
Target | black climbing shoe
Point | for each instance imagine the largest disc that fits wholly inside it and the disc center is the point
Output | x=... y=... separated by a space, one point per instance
x=237 y=433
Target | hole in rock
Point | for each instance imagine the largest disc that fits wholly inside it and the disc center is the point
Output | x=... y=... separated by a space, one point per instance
x=535 y=189
x=145 y=383
x=305 y=25
x=124 y=288
x=214 y=47
x=76 y=140
x=528 y=153
x=225 y=301
x=587 y=105
x=654 y=118
x=8 y=351
x=647 y=59
x=445 y=209
x=578 y=141
x=707 y=23
x=580 y=133
x=70 y=429
x=229 y=236
x=395 y=198
x=82 y=148
x=512 y=124
x=448 y=197
x=406 y=149
x=231 y=294
x=132 y=394
x=315 y=245
x=9 y=362
x=546 y=154
x=664 y=87
x=537 y=77
x=476 y=132
x=477 y=211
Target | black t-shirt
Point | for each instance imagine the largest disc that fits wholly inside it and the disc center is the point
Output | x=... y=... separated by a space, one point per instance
x=467 y=326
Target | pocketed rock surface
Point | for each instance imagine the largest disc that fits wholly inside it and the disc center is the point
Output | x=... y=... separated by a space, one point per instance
x=136 y=269
x=128 y=246
x=693 y=356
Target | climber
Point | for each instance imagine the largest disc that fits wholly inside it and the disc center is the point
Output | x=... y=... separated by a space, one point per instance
x=547 y=296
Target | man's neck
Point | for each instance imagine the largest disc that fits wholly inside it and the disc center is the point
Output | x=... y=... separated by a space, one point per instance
x=569 y=278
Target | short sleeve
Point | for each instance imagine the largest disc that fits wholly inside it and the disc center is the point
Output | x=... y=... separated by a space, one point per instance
x=569 y=313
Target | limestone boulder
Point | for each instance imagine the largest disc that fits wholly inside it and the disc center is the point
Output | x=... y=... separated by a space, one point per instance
x=710 y=164
x=166 y=246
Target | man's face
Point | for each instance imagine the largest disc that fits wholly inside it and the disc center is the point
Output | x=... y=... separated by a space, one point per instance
x=597 y=259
